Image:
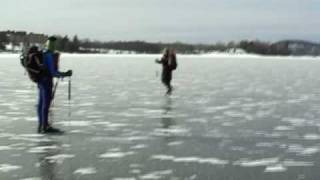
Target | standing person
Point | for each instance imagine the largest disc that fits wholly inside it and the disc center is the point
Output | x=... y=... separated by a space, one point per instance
x=45 y=87
x=169 y=63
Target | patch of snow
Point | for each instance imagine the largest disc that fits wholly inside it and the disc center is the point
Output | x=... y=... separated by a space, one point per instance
x=275 y=168
x=85 y=171
x=8 y=167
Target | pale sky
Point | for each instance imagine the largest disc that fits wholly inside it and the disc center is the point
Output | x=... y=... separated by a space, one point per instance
x=192 y=21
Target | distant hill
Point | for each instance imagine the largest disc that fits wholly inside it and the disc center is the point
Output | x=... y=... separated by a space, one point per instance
x=283 y=48
x=298 y=47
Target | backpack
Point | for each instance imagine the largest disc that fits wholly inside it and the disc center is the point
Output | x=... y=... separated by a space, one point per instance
x=173 y=63
x=32 y=61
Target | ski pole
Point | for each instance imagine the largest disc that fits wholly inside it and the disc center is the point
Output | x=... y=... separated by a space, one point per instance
x=54 y=91
x=69 y=89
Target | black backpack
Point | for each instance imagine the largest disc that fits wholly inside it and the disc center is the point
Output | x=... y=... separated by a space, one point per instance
x=173 y=63
x=32 y=61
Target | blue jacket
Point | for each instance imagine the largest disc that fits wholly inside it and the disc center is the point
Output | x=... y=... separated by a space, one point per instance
x=49 y=64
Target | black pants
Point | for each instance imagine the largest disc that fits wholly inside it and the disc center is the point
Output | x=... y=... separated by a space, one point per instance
x=45 y=97
x=166 y=80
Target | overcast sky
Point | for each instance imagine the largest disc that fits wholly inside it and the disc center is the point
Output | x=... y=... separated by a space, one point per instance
x=194 y=21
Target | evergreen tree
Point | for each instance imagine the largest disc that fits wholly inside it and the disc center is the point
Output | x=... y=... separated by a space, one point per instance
x=3 y=40
x=75 y=44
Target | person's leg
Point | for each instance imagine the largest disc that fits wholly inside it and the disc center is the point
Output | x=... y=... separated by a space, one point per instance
x=40 y=107
x=43 y=108
x=46 y=104
x=168 y=81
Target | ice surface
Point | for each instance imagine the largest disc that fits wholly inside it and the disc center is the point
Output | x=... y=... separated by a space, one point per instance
x=139 y=146
x=85 y=171
x=303 y=151
x=212 y=161
x=124 y=178
x=113 y=155
x=310 y=150
x=156 y=174
x=275 y=168
x=175 y=143
x=292 y=163
x=2 y=148
x=42 y=149
x=172 y=131
x=59 y=158
x=31 y=178
x=311 y=136
x=198 y=120
x=75 y=123
x=8 y=167
x=283 y=128
x=258 y=162
x=260 y=113
x=295 y=121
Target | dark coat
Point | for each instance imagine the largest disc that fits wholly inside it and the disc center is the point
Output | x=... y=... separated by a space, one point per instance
x=166 y=69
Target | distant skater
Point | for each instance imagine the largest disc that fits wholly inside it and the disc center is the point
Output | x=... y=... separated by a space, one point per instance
x=169 y=64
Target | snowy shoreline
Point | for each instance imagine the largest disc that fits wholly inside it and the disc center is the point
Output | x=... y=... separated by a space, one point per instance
x=212 y=55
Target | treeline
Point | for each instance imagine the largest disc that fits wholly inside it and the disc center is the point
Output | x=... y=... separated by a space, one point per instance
x=11 y=40
x=76 y=45
x=154 y=48
x=284 y=48
x=65 y=44
x=264 y=48
x=3 y=40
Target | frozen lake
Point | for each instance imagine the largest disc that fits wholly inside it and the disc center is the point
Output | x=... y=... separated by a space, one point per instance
x=228 y=119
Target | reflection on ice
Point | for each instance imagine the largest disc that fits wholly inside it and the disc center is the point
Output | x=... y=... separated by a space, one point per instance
x=212 y=161
x=42 y=149
x=74 y=123
x=255 y=163
x=124 y=178
x=59 y=158
x=292 y=163
x=2 y=148
x=8 y=167
x=175 y=143
x=31 y=178
x=173 y=131
x=303 y=151
x=311 y=136
x=197 y=120
x=85 y=171
x=275 y=168
x=295 y=121
x=139 y=146
x=156 y=174
x=113 y=155
x=283 y=128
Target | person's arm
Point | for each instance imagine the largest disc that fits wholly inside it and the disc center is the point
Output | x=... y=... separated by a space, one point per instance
x=159 y=61
x=51 y=68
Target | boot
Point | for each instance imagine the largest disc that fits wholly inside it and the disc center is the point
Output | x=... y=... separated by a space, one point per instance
x=52 y=130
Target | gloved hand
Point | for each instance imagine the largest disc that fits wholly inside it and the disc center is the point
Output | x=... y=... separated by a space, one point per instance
x=66 y=74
